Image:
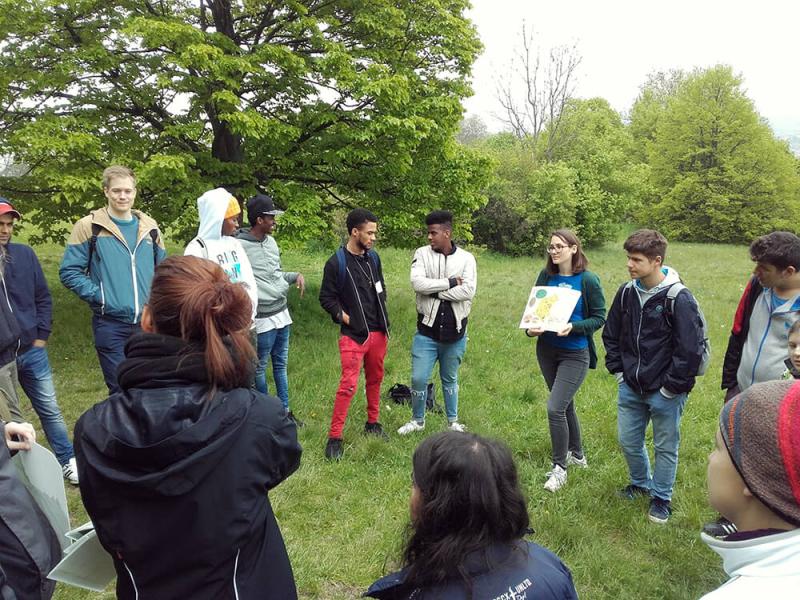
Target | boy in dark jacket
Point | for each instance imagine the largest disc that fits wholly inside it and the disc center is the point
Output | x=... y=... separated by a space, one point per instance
x=654 y=350
x=353 y=292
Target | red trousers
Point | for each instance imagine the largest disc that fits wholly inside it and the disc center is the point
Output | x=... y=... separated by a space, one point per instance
x=352 y=354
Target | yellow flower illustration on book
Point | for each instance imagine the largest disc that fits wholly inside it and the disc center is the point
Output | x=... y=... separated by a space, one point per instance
x=543 y=307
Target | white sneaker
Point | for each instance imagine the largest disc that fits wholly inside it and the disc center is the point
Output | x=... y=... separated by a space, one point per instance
x=411 y=427
x=576 y=462
x=456 y=426
x=70 y=471
x=558 y=477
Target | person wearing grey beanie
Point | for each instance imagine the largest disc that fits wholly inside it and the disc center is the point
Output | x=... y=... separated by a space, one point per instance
x=753 y=480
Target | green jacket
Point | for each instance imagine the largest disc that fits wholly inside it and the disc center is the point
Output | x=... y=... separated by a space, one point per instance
x=594 y=305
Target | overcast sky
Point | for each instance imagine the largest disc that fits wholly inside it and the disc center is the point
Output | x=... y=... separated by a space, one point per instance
x=621 y=41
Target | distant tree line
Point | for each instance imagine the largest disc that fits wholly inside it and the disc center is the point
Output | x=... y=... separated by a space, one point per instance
x=692 y=158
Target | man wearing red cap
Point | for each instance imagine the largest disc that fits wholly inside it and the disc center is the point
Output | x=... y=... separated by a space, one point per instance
x=29 y=298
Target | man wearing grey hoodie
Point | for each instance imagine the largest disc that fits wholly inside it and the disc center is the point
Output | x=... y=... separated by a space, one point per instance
x=273 y=321
x=654 y=348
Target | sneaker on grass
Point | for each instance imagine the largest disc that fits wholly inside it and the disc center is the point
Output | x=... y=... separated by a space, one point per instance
x=334 y=450
x=558 y=477
x=375 y=429
x=70 y=471
x=456 y=426
x=660 y=510
x=574 y=461
x=411 y=427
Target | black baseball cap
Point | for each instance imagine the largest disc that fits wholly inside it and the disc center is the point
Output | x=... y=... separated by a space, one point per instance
x=260 y=205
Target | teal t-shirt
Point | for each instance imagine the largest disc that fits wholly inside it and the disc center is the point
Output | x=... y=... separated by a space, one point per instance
x=573 y=341
x=130 y=231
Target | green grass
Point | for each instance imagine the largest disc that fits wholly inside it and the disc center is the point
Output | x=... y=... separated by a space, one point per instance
x=342 y=522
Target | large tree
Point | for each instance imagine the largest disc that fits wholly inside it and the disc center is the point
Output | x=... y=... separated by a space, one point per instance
x=718 y=172
x=325 y=103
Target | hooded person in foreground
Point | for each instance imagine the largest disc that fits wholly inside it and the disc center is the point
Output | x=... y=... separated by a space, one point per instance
x=754 y=481
x=176 y=467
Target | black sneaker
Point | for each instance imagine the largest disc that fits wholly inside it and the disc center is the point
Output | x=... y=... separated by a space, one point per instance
x=630 y=492
x=334 y=450
x=720 y=528
x=660 y=510
x=375 y=429
x=297 y=422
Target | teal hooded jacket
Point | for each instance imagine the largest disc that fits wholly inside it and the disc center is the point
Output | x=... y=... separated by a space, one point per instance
x=117 y=283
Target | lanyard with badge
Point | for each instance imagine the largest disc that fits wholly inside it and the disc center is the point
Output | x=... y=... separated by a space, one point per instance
x=377 y=284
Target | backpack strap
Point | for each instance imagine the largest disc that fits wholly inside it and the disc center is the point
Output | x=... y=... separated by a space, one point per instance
x=672 y=293
x=625 y=288
x=154 y=237
x=92 y=245
x=376 y=261
x=203 y=247
x=342 y=260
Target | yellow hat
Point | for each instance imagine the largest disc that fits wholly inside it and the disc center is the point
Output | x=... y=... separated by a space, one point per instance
x=233 y=208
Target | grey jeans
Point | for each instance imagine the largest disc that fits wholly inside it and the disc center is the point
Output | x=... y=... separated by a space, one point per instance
x=563 y=372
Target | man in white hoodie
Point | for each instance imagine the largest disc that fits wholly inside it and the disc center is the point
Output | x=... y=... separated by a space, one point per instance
x=219 y=219
x=654 y=348
x=754 y=480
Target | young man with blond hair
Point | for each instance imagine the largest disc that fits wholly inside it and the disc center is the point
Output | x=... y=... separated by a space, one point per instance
x=109 y=263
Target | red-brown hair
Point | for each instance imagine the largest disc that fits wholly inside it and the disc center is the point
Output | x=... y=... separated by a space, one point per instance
x=193 y=299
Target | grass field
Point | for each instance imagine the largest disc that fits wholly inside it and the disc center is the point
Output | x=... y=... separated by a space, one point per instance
x=343 y=522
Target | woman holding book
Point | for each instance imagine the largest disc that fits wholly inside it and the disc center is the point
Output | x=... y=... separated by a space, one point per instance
x=566 y=356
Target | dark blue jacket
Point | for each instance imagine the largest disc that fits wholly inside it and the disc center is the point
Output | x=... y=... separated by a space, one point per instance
x=9 y=328
x=651 y=348
x=525 y=569
x=28 y=294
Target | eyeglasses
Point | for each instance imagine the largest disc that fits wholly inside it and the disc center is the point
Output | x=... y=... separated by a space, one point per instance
x=556 y=249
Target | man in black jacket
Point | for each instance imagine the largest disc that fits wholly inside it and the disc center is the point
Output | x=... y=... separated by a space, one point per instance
x=654 y=348
x=353 y=292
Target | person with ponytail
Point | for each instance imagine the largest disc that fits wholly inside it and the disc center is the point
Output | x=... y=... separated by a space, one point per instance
x=468 y=519
x=175 y=468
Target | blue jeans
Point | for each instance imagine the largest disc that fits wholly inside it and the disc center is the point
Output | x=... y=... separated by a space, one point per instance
x=634 y=413
x=425 y=352
x=275 y=344
x=110 y=336
x=36 y=379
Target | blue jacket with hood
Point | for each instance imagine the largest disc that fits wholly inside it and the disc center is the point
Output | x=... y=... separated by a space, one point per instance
x=117 y=283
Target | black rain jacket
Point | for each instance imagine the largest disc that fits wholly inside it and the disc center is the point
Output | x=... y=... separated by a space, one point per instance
x=176 y=482
x=651 y=348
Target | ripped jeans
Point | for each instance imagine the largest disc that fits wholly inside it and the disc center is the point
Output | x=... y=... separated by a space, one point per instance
x=425 y=352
